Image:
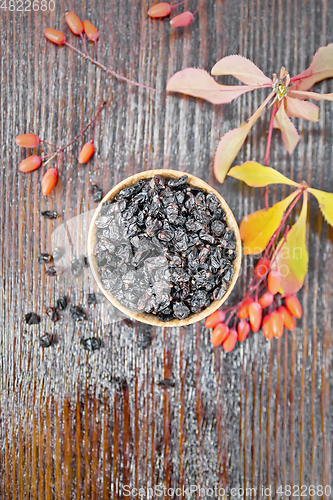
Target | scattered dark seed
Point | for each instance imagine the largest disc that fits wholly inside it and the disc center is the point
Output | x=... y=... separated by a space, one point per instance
x=166 y=383
x=51 y=271
x=32 y=319
x=45 y=340
x=44 y=258
x=53 y=314
x=77 y=313
x=91 y=344
x=49 y=214
x=97 y=193
x=61 y=303
x=144 y=339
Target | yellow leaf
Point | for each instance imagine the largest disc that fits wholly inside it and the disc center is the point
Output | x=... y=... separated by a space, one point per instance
x=325 y=201
x=257 y=175
x=292 y=255
x=257 y=229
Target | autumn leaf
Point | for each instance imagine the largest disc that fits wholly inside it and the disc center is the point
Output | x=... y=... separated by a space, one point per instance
x=241 y=68
x=292 y=255
x=325 y=201
x=199 y=83
x=302 y=109
x=230 y=144
x=289 y=133
x=320 y=68
x=257 y=228
x=256 y=175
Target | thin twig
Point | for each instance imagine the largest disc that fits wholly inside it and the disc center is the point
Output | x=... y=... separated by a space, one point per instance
x=107 y=70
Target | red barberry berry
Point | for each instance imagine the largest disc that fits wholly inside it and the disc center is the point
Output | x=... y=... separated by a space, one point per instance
x=55 y=36
x=255 y=315
x=182 y=20
x=27 y=140
x=288 y=318
x=86 y=152
x=29 y=164
x=294 y=306
x=266 y=299
x=160 y=10
x=262 y=267
x=273 y=282
x=243 y=311
x=230 y=342
x=243 y=329
x=266 y=327
x=74 y=23
x=214 y=319
x=49 y=180
x=90 y=31
x=276 y=322
x=219 y=334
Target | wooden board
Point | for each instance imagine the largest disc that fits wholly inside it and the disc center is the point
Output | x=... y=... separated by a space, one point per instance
x=75 y=424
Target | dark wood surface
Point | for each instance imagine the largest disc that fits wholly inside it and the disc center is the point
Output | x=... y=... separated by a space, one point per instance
x=81 y=425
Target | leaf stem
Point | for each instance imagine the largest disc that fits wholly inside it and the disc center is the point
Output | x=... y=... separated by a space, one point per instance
x=270 y=132
x=107 y=70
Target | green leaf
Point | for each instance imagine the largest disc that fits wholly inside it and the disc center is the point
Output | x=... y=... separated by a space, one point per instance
x=325 y=201
x=292 y=255
x=257 y=229
x=257 y=175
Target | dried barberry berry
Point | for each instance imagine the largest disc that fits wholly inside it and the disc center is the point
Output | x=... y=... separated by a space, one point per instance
x=97 y=193
x=91 y=344
x=44 y=258
x=61 y=303
x=49 y=214
x=52 y=313
x=32 y=318
x=166 y=383
x=163 y=247
x=45 y=340
x=51 y=271
x=77 y=313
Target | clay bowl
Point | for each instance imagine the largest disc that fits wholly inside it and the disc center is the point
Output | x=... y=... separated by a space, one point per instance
x=149 y=318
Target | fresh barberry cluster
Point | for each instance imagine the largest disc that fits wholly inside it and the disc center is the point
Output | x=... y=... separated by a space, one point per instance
x=33 y=162
x=249 y=313
x=163 y=9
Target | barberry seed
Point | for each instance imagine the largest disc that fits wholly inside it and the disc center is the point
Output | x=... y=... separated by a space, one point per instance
x=49 y=181
x=32 y=318
x=276 y=323
x=273 y=282
x=266 y=299
x=86 y=152
x=45 y=340
x=49 y=214
x=74 y=23
x=52 y=271
x=243 y=329
x=27 y=140
x=288 y=319
x=97 y=193
x=262 y=267
x=255 y=315
x=243 y=312
x=90 y=31
x=52 y=313
x=61 y=303
x=182 y=20
x=91 y=344
x=78 y=313
x=55 y=36
x=29 y=164
x=230 y=341
x=294 y=306
x=214 y=319
x=219 y=334
x=160 y=10
x=44 y=258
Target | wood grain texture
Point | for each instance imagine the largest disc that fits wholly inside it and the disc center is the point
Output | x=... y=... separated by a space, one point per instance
x=84 y=425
